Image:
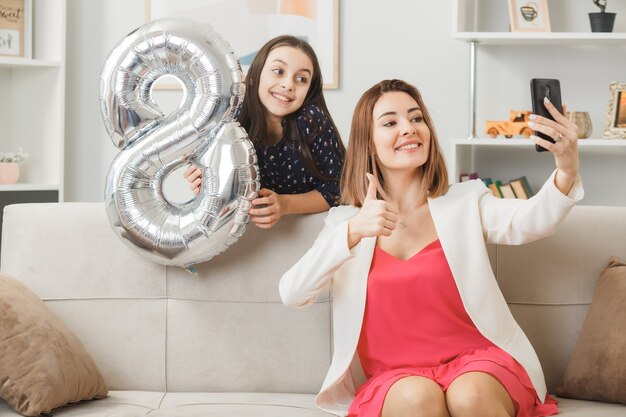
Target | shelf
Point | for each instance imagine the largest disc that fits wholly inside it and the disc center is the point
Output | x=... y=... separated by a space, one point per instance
x=543 y=38
x=521 y=142
x=10 y=62
x=28 y=187
x=515 y=56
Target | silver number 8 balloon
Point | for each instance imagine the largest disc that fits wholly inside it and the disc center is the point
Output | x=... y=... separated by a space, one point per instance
x=203 y=131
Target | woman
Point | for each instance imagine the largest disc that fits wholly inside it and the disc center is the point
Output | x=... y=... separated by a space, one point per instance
x=435 y=337
x=300 y=153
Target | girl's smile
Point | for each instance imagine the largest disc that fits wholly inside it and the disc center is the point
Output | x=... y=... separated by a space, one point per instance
x=282 y=98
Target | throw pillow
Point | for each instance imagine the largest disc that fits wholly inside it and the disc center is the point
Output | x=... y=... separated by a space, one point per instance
x=43 y=365
x=597 y=367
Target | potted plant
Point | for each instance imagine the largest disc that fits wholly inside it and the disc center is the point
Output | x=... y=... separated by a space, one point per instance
x=603 y=21
x=9 y=166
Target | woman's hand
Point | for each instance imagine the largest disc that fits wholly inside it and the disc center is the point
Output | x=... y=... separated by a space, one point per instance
x=267 y=209
x=565 y=148
x=193 y=175
x=376 y=217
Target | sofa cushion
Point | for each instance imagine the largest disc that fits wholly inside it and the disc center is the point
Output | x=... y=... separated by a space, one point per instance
x=597 y=367
x=43 y=365
x=186 y=404
x=242 y=404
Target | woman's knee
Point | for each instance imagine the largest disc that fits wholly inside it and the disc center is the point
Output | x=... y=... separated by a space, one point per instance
x=414 y=397
x=465 y=401
x=478 y=395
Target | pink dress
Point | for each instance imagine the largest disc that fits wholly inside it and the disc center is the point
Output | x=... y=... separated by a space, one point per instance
x=415 y=324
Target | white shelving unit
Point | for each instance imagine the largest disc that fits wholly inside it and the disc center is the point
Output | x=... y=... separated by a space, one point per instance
x=542 y=38
x=32 y=109
x=506 y=159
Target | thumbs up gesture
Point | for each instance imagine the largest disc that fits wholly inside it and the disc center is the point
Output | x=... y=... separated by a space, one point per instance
x=376 y=217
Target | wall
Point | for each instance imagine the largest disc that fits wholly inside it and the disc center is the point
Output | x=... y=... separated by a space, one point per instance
x=408 y=40
x=402 y=39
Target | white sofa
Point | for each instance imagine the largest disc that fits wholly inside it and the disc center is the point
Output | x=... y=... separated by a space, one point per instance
x=221 y=344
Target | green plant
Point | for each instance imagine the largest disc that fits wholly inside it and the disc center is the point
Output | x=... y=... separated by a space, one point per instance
x=18 y=156
x=601 y=4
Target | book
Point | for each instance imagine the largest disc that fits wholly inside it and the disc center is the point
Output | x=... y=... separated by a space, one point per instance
x=507 y=191
x=495 y=189
x=527 y=189
x=518 y=189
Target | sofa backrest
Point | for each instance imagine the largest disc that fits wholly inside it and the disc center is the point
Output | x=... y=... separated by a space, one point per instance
x=149 y=327
x=549 y=284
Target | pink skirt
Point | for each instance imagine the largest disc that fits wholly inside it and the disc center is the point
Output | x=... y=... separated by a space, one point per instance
x=492 y=360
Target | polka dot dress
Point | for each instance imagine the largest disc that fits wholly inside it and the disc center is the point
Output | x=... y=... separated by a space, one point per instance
x=282 y=164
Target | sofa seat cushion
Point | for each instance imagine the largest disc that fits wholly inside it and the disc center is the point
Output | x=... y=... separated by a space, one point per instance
x=583 y=408
x=179 y=404
x=175 y=404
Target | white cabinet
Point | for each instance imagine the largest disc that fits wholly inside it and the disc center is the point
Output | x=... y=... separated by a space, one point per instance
x=572 y=52
x=32 y=106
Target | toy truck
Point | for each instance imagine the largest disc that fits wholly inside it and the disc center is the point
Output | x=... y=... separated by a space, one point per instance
x=517 y=125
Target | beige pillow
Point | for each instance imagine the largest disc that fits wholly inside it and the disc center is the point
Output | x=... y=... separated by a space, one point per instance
x=597 y=367
x=43 y=365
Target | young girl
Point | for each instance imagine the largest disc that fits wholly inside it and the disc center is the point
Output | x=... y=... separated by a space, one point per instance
x=420 y=327
x=300 y=153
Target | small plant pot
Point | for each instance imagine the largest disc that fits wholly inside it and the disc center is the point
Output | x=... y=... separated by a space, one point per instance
x=602 y=22
x=9 y=172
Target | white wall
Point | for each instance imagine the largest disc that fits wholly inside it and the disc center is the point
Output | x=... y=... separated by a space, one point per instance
x=391 y=39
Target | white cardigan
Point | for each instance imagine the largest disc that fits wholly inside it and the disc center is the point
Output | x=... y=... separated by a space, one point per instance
x=466 y=217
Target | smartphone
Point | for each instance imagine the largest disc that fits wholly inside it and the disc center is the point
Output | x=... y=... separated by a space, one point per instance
x=539 y=89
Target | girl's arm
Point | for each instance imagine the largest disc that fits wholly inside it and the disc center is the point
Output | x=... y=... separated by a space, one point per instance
x=274 y=206
x=311 y=202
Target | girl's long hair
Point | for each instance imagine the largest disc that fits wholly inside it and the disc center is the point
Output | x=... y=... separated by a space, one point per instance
x=252 y=116
x=360 y=157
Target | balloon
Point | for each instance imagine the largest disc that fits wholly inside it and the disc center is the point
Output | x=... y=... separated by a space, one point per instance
x=203 y=131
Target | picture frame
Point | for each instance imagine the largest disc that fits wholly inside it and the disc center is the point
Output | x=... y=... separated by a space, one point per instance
x=616 y=114
x=248 y=24
x=529 y=16
x=16 y=28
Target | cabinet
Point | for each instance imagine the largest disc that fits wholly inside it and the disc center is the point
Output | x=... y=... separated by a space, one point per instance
x=584 y=60
x=32 y=107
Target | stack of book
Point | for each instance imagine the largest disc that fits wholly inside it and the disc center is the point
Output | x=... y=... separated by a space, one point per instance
x=516 y=188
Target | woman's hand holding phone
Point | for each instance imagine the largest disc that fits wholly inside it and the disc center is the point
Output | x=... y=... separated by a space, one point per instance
x=565 y=146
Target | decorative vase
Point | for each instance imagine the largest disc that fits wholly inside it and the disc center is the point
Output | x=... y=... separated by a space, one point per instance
x=582 y=120
x=9 y=172
x=602 y=22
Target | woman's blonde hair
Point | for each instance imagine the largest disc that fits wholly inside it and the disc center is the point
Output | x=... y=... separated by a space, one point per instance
x=360 y=157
